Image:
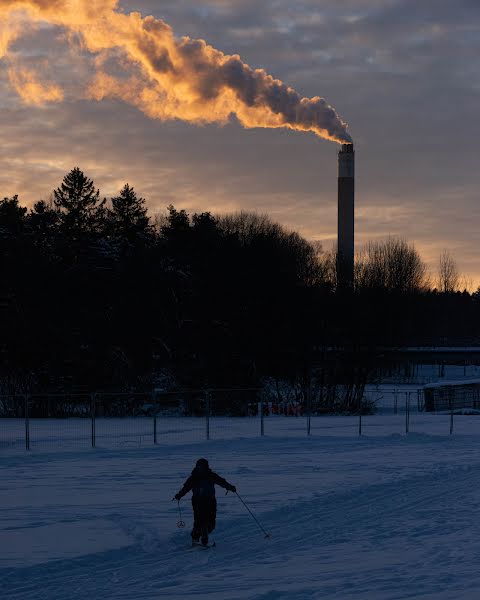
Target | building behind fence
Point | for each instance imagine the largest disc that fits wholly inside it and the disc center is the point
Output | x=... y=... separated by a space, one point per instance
x=452 y=395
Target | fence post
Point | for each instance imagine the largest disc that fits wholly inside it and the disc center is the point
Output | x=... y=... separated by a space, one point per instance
x=27 y=424
x=309 y=409
x=154 y=403
x=407 y=412
x=262 y=422
x=359 y=415
x=451 y=414
x=207 y=413
x=92 y=413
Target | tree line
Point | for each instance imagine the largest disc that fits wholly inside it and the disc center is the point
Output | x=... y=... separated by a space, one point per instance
x=98 y=295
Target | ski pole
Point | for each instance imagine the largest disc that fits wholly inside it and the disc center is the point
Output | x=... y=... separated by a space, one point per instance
x=267 y=535
x=180 y=522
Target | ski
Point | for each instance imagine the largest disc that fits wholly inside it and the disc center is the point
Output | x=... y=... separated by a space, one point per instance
x=199 y=545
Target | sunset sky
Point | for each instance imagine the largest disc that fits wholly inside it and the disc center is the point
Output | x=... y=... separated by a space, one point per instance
x=404 y=75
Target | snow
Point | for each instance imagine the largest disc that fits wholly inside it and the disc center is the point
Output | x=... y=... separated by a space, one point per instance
x=454 y=382
x=450 y=349
x=71 y=540
x=385 y=516
x=460 y=411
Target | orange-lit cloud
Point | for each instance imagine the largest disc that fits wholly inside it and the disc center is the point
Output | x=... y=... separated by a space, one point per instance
x=31 y=90
x=168 y=77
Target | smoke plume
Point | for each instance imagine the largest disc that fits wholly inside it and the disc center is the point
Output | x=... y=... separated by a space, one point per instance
x=139 y=60
x=31 y=90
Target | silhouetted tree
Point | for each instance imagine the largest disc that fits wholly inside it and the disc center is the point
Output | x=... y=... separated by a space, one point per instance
x=212 y=300
x=128 y=219
x=327 y=261
x=448 y=277
x=284 y=255
x=176 y=225
x=42 y=222
x=78 y=201
x=392 y=265
x=12 y=216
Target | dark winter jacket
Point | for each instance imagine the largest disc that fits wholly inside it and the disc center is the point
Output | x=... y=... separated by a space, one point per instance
x=202 y=482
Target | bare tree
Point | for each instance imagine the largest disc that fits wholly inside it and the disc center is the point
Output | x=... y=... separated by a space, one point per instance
x=393 y=265
x=466 y=284
x=253 y=229
x=328 y=261
x=448 y=276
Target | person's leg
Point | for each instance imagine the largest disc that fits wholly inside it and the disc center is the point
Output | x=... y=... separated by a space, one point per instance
x=212 y=515
x=202 y=520
x=196 y=531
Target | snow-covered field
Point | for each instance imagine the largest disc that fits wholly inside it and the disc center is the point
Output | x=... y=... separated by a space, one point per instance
x=377 y=517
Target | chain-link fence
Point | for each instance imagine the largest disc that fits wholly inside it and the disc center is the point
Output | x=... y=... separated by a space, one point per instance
x=112 y=420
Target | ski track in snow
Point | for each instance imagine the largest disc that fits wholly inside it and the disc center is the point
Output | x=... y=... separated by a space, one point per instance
x=376 y=519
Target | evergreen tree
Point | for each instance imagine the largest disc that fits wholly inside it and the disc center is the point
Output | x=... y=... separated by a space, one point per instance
x=78 y=201
x=128 y=218
x=42 y=222
x=177 y=223
x=177 y=236
x=12 y=216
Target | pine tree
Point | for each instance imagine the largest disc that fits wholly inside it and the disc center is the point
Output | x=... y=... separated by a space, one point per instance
x=128 y=217
x=12 y=216
x=176 y=221
x=177 y=234
x=42 y=222
x=78 y=201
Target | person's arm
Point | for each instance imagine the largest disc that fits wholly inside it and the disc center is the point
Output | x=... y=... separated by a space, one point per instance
x=223 y=483
x=187 y=486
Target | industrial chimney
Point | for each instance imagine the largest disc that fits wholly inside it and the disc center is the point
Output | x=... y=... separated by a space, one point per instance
x=346 y=216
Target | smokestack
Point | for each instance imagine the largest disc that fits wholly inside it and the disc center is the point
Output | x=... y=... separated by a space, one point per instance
x=346 y=216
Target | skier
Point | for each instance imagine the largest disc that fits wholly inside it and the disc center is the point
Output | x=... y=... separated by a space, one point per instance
x=202 y=481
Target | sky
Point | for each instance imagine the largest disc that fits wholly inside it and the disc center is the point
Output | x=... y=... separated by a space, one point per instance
x=404 y=75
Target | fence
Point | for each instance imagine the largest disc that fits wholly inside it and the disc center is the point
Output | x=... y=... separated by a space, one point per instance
x=142 y=419
x=453 y=395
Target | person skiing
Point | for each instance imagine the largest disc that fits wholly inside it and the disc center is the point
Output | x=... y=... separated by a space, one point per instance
x=202 y=483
